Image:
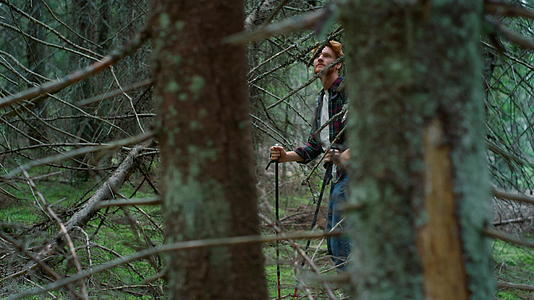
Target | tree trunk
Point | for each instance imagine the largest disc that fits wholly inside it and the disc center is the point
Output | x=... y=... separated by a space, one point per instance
x=419 y=169
x=36 y=56
x=209 y=189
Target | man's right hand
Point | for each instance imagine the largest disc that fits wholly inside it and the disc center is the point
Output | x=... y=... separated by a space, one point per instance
x=278 y=154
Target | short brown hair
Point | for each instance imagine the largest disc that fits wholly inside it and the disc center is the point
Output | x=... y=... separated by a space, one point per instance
x=336 y=46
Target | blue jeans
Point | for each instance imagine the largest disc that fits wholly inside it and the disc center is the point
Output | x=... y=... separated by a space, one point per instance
x=338 y=246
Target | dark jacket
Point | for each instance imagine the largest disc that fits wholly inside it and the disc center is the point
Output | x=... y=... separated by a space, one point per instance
x=336 y=104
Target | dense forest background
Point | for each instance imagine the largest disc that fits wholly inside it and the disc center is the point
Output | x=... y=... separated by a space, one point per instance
x=88 y=134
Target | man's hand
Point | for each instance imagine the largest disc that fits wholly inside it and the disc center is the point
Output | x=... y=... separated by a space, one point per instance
x=337 y=157
x=278 y=154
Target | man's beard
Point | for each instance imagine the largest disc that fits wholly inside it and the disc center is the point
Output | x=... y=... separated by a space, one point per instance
x=329 y=72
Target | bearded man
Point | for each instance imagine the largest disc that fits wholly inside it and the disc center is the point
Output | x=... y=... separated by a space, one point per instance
x=327 y=135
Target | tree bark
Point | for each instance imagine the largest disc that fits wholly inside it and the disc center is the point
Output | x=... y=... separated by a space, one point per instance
x=208 y=183
x=36 y=56
x=419 y=169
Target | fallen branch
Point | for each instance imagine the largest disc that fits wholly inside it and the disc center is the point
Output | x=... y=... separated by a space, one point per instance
x=179 y=246
x=517 y=286
x=130 y=202
x=106 y=190
x=40 y=198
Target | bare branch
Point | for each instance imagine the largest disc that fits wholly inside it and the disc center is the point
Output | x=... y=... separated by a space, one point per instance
x=54 y=86
x=179 y=246
x=507 y=9
x=114 y=93
x=508 y=238
x=517 y=286
x=61 y=37
x=105 y=191
x=39 y=197
x=498 y=150
x=512 y=221
x=292 y=24
x=502 y=194
x=113 y=145
x=512 y=36
x=130 y=202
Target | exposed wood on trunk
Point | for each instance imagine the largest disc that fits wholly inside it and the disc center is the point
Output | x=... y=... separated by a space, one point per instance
x=439 y=239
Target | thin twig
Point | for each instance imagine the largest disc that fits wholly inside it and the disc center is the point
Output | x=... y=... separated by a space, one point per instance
x=179 y=246
x=54 y=86
x=39 y=196
x=66 y=155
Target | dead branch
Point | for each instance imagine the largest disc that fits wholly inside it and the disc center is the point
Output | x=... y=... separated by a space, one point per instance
x=491 y=232
x=39 y=197
x=502 y=194
x=59 y=35
x=507 y=9
x=512 y=36
x=259 y=14
x=105 y=191
x=512 y=221
x=38 y=262
x=84 y=150
x=130 y=202
x=498 y=150
x=54 y=86
x=289 y=25
x=31 y=37
x=517 y=286
x=179 y=246
x=115 y=93
x=301 y=252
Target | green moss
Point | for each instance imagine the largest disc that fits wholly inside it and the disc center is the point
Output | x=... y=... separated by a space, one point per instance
x=179 y=25
x=164 y=20
x=172 y=87
x=195 y=125
x=196 y=86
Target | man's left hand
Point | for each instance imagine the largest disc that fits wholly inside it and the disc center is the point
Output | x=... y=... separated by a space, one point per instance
x=337 y=157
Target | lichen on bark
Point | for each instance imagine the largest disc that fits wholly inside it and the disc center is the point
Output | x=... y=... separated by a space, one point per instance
x=409 y=63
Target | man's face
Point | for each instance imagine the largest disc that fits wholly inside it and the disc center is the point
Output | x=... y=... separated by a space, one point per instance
x=323 y=59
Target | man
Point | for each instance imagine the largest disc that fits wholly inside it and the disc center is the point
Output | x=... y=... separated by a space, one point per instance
x=330 y=116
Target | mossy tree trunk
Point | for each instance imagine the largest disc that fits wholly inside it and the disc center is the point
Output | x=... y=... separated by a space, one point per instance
x=209 y=189
x=417 y=137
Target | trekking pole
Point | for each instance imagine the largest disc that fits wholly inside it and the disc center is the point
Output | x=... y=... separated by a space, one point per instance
x=277 y=220
x=326 y=179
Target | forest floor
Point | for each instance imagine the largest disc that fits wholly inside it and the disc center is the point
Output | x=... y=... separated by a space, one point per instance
x=118 y=232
